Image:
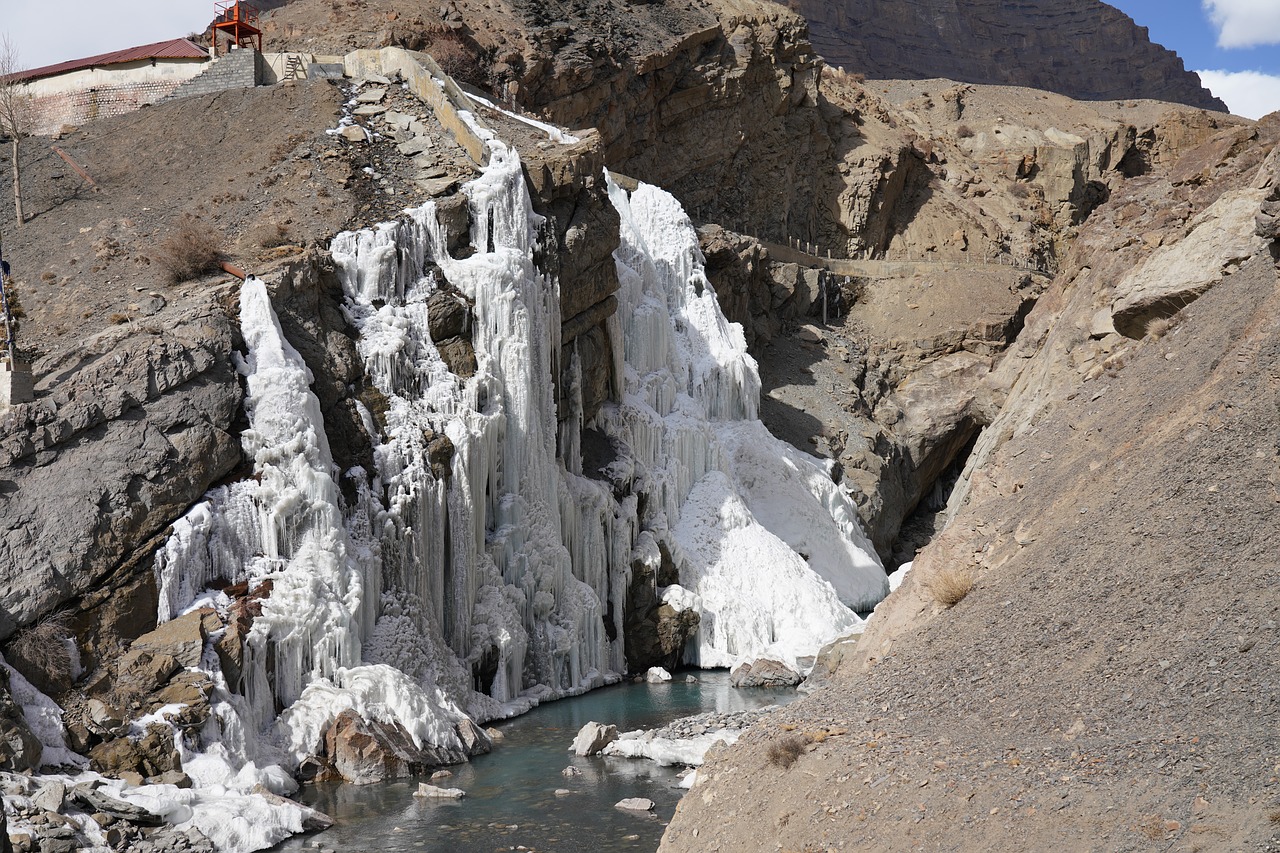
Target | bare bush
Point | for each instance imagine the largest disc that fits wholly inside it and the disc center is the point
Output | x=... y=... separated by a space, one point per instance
x=459 y=59
x=194 y=249
x=964 y=132
x=950 y=584
x=784 y=751
x=40 y=653
x=1019 y=190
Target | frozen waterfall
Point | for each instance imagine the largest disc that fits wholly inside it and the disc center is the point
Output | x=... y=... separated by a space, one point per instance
x=474 y=571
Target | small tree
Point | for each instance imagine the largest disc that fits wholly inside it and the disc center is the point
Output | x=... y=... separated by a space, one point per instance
x=15 y=112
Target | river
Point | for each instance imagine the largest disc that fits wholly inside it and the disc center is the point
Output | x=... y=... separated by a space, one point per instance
x=511 y=801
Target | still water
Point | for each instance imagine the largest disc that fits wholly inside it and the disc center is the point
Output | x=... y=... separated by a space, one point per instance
x=511 y=794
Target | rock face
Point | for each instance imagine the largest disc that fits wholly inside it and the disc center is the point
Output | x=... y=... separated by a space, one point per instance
x=1082 y=48
x=137 y=425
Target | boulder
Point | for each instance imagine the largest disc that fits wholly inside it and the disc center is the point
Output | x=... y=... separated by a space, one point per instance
x=50 y=796
x=151 y=755
x=93 y=800
x=459 y=355
x=593 y=737
x=365 y=751
x=764 y=673
x=182 y=638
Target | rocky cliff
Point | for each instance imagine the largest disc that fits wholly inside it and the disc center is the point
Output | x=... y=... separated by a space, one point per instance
x=1082 y=48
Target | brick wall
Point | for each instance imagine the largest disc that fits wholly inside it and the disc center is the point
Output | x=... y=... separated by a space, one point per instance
x=75 y=108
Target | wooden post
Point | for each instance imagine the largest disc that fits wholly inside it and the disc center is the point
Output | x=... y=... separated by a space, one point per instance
x=17 y=183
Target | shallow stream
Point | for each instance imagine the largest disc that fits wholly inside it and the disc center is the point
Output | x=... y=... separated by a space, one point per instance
x=511 y=794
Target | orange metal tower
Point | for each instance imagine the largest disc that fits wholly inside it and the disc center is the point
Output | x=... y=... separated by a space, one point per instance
x=238 y=21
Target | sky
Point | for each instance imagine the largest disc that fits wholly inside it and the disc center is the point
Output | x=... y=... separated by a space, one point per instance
x=1234 y=44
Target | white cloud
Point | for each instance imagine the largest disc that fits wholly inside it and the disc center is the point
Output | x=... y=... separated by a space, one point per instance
x=1251 y=94
x=1245 y=23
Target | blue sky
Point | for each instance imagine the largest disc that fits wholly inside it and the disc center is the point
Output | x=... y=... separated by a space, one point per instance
x=1235 y=44
x=1238 y=40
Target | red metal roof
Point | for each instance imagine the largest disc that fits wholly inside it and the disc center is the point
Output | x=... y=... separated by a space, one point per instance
x=172 y=49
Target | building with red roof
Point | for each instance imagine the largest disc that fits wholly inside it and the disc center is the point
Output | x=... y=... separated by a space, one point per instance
x=74 y=92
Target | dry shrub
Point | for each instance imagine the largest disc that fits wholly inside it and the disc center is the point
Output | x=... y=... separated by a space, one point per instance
x=1019 y=190
x=951 y=584
x=48 y=276
x=194 y=249
x=41 y=655
x=784 y=751
x=119 y=318
x=1274 y=816
x=271 y=235
x=964 y=132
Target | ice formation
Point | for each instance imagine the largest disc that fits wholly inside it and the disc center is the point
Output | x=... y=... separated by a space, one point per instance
x=482 y=585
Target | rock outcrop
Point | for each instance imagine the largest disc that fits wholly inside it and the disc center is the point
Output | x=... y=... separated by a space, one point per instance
x=1082 y=48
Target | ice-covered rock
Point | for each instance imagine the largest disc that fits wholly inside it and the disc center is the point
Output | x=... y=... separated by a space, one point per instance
x=426 y=789
x=593 y=737
x=657 y=675
x=637 y=804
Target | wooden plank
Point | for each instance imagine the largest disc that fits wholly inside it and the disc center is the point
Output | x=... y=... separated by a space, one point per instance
x=79 y=171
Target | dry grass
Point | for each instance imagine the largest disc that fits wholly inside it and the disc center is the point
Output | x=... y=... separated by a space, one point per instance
x=194 y=249
x=1274 y=816
x=964 y=132
x=784 y=751
x=951 y=584
x=1161 y=326
x=119 y=318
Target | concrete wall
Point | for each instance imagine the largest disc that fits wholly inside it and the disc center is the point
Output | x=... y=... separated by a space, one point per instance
x=80 y=96
x=274 y=66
